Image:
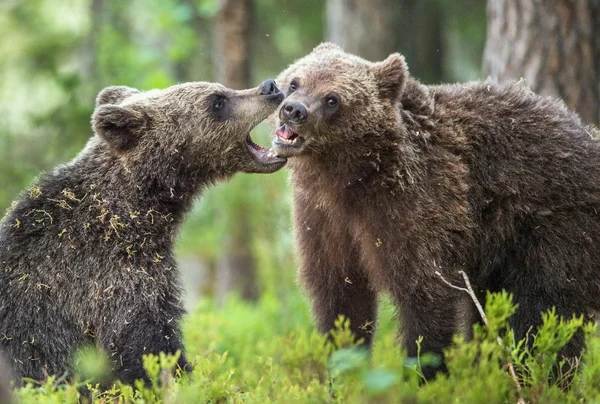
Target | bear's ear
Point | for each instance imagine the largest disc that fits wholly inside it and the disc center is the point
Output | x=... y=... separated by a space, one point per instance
x=391 y=76
x=119 y=126
x=114 y=95
x=326 y=47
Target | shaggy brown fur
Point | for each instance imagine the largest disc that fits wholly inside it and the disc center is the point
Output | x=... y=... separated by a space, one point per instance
x=86 y=255
x=393 y=181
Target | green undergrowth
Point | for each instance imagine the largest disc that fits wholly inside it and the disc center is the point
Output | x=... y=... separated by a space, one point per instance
x=270 y=352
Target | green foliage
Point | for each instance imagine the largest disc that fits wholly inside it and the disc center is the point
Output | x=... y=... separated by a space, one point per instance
x=92 y=365
x=260 y=353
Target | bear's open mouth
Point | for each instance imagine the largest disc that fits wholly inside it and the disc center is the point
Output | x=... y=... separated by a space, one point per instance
x=287 y=137
x=262 y=155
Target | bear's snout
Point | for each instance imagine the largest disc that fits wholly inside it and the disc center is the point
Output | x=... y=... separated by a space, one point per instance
x=268 y=87
x=294 y=112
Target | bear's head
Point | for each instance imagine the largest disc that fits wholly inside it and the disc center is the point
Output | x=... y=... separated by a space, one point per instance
x=189 y=130
x=337 y=101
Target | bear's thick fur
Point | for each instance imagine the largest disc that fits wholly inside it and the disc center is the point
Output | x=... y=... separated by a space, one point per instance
x=394 y=181
x=86 y=253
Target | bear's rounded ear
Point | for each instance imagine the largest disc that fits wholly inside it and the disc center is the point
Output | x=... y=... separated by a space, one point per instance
x=391 y=76
x=114 y=95
x=119 y=126
x=326 y=47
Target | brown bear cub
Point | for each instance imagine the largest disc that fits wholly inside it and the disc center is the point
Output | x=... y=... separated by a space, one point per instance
x=86 y=255
x=394 y=181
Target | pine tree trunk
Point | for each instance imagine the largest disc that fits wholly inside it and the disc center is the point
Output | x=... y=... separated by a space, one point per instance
x=364 y=27
x=554 y=45
x=196 y=65
x=375 y=28
x=232 y=43
x=236 y=268
x=89 y=52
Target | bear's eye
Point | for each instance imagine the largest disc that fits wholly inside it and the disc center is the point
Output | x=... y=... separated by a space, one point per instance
x=219 y=103
x=219 y=108
x=293 y=85
x=333 y=100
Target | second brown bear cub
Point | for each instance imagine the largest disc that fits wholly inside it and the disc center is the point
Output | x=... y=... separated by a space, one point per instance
x=86 y=255
x=394 y=181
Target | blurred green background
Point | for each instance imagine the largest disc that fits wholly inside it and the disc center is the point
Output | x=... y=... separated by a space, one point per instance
x=57 y=55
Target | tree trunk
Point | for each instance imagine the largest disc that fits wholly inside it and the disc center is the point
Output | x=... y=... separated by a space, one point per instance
x=197 y=65
x=554 y=45
x=236 y=268
x=232 y=43
x=90 y=50
x=365 y=27
x=375 y=28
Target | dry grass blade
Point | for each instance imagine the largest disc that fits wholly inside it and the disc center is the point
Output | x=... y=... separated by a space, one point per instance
x=469 y=290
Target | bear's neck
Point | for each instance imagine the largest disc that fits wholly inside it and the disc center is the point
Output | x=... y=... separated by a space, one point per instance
x=104 y=181
x=391 y=160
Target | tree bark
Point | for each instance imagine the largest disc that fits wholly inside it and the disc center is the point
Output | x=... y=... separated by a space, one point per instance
x=365 y=27
x=236 y=268
x=232 y=43
x=553 y=44
x=198 y=64
x=375 y=28
x=90 y=51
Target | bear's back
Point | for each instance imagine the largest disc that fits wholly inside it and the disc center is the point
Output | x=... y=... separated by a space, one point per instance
x=519 y=145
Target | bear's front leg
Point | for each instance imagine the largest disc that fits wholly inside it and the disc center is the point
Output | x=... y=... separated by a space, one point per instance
x=127 y=338
x=431 y=314
x=331 y=272
x=343 y=293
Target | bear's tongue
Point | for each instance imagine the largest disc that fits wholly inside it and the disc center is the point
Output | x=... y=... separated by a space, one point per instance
x=285 y=132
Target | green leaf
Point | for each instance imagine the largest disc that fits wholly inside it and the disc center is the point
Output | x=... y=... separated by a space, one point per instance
x=379 y=380
x=346 y=360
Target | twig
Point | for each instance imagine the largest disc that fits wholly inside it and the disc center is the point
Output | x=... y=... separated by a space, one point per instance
x=469 y=290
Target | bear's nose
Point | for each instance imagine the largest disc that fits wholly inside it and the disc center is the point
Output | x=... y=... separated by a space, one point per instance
x=268 y=87
x=295 y=112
